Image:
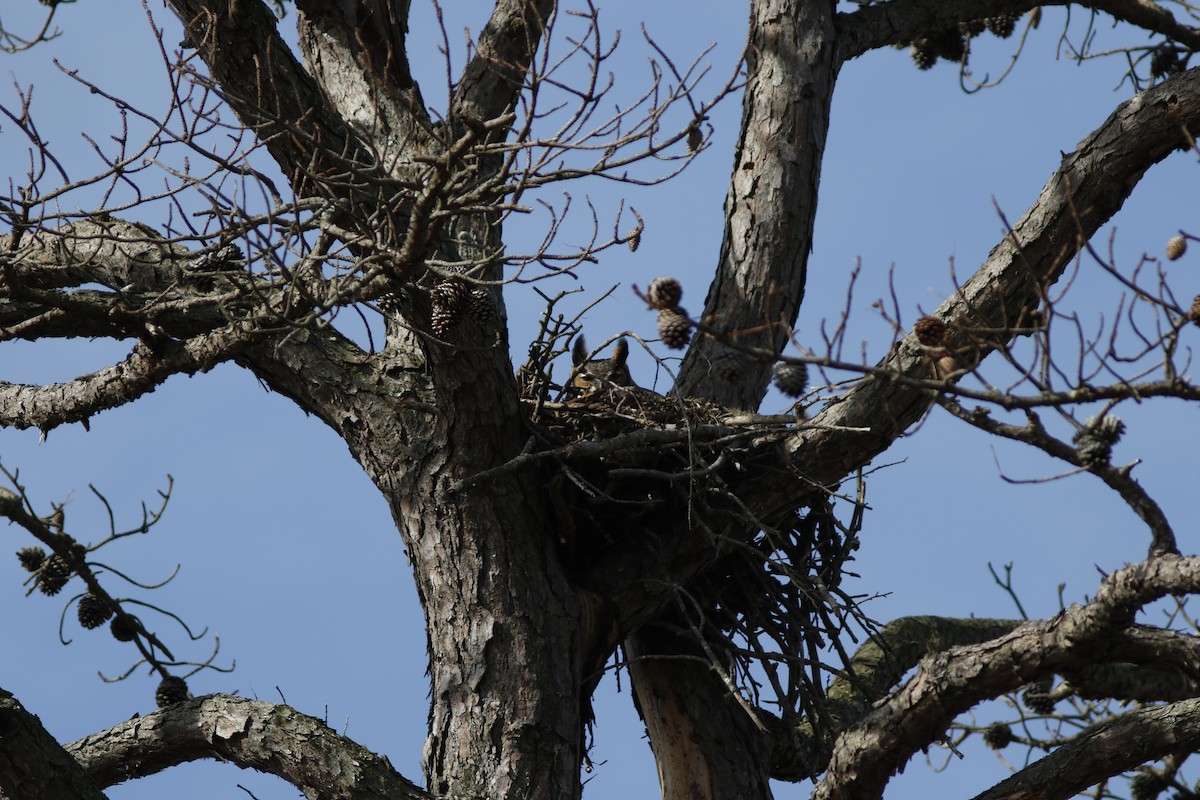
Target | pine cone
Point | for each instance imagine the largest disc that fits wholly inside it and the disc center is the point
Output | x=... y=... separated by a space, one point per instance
x=123 y=628
x=447 y=299
x=1165 y=61
x=634 y=239
x=997 y=736
x=1109 y=429
x=1147 y=786
x=1091 y=449
x=480 y=307
x=791 y=379
x=974 y=27
x=93 y=612
x=727 y=366
x=923 y=54
x=1036 y=697
x=171 y=690
x=1002 y=25
x=930 y=331
x=1094 y=443
x=31 y=558
x=1194 y=314
x=1176 y=247
x=674 y=327
x=53 y=575
x=664 y=293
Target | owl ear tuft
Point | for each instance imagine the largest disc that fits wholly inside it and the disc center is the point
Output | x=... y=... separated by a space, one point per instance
x=579 y=352
x=620 y=352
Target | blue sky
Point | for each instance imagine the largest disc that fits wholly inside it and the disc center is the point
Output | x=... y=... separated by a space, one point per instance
x=287 y=550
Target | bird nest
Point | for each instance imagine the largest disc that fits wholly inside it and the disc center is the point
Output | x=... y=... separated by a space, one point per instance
x=619 y=411
x=629 y=468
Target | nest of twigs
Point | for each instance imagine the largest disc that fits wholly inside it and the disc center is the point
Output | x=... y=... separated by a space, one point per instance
x=619 y=411
x=634 y=469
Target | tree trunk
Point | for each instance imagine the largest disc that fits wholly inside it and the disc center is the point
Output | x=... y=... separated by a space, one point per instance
x=771 y=204
x=33 y=766
x=706 y=744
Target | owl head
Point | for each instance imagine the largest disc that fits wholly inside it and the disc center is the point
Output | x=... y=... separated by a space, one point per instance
x=594 y=374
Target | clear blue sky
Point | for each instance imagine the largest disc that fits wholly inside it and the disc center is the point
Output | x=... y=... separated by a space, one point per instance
x=287 y=550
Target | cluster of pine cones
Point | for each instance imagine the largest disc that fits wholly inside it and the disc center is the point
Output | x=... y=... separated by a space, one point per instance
x=952 y=44
x=454 y=300
x=674 y=326
x=1094 y=442
x=52 y=572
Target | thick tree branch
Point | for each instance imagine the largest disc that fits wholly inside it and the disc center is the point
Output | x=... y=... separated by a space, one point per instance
x=874 y=670
x=111 y=252
x=33 y=765
x=274 y=739
x=772 y=198
x=1090 y=186
x=148 y=365
x=240 y=43
x=1115 y=746
x=1148 y=651
x=503 y=54
x=183 y=328
x=902 y=21
x=952 y=681
x=356 y=53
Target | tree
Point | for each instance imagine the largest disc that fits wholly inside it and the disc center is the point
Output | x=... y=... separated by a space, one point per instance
x=546 y=531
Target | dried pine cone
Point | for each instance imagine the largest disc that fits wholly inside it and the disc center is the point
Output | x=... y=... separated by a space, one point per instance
x=1165 y=61
x=171 y=690
x=1110 y=428
x=123 y=628
x=664 y=293
x=674 y=327
x=93 y=612
x=1194 y=314
x=31 y=558
x=1036 y=697
x=1147 y=786
x=997 y=736
x=447 y=299
x=1176 y=247
x=1002 y=25
x=923 y=54
x=930 y=331
x=53 y=575
x=974 y=27
x=1095 y=441
x=480 y=307
x=727 y=365
x=792 y=379
x=1092 y=450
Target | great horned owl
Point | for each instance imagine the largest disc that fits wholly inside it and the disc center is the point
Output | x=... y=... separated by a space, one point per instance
x=592 y=375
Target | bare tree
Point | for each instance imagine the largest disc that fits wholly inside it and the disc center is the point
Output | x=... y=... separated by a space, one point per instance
x=317 y=223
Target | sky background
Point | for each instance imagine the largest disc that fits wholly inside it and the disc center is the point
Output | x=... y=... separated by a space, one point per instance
x=288 y=552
